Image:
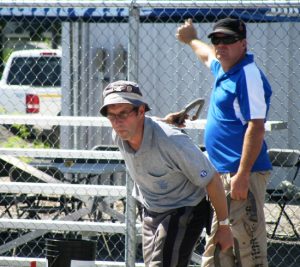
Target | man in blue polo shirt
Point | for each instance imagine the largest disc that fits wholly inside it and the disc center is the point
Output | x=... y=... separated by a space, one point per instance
x=234 y=135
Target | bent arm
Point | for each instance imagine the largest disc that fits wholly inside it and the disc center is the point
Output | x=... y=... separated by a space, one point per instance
x=203 y=51
x=217 y=197
x=187 y=34
x=252 y=145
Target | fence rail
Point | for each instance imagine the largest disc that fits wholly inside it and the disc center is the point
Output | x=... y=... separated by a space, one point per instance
x=104 y=122
x=144 y=3
x=50 y=225
x=61 y=153
x=40 y=262
x=63 y=189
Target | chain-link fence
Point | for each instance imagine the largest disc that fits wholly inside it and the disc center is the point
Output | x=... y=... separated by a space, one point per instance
x=55 y=59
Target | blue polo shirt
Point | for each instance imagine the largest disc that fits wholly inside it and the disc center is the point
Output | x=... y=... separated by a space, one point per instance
x=238 y=96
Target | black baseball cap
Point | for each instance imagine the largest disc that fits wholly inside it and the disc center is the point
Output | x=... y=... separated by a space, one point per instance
x=230 y=26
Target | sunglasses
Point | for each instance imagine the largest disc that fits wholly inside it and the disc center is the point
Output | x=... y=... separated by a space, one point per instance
x=224 y=40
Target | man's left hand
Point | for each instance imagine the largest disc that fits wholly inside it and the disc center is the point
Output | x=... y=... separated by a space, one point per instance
x=239 y=186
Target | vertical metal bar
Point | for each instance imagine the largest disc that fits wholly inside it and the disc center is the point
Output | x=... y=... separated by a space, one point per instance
x=77 y=28
x=133 y=51
x=292 y=93
x=130 y=219
x=133 y=44
x=66 y=83
x=83 y=97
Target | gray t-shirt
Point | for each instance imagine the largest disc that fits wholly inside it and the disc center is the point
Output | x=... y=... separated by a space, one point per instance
x=169 y=171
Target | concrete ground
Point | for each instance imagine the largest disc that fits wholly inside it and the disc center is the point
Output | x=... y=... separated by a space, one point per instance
x=284 y=229
x=284 y=247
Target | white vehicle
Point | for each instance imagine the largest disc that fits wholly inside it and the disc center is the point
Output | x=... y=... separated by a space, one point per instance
x=31 y=83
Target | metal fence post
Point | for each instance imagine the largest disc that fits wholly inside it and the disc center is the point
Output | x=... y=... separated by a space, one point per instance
x=130 y=240
x=131 y=232
x=133 y=43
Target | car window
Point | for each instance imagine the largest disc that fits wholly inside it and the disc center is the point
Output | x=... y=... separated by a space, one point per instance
x=35 y=71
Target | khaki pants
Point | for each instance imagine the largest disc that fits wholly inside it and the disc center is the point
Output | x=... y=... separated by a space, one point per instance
x=252 y=238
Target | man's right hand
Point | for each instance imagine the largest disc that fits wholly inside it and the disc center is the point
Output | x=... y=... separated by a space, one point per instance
x=173 y=118
x=186 y=32
x=224 y=237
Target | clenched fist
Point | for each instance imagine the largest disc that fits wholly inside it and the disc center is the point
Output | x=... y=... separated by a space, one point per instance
x=186 y=32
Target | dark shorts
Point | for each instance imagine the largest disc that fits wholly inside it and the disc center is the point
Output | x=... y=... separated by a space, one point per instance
x=169 y=238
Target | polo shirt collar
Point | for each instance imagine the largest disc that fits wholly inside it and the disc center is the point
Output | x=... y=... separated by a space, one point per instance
x=147 y=136
x=249 y=58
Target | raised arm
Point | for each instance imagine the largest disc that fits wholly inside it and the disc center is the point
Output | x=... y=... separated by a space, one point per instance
x=187 y=34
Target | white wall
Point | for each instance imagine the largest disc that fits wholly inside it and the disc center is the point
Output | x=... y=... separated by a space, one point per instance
x=170 y=75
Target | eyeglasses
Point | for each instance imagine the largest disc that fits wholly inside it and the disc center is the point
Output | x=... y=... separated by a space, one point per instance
x=121 y=116
x=224 y=40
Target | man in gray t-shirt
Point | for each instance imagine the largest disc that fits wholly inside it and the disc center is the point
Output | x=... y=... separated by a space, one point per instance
x=171 y=179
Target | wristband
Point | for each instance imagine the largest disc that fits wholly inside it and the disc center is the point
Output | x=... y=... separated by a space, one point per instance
x=224 y=222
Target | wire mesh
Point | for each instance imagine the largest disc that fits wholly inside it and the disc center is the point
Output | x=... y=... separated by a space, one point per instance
x=55 y=60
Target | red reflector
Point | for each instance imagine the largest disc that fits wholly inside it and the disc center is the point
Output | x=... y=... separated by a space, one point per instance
x=48 y=54
x=32 y=103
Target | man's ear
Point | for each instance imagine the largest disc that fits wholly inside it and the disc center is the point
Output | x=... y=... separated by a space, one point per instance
x=245 y=43
x=142 y=110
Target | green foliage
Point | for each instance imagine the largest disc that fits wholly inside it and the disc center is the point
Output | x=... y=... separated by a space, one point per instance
x=6 y=54
x=2 y=110
x=23 y=138
x=22 y=131
x=14 y=141
x=20 y=140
